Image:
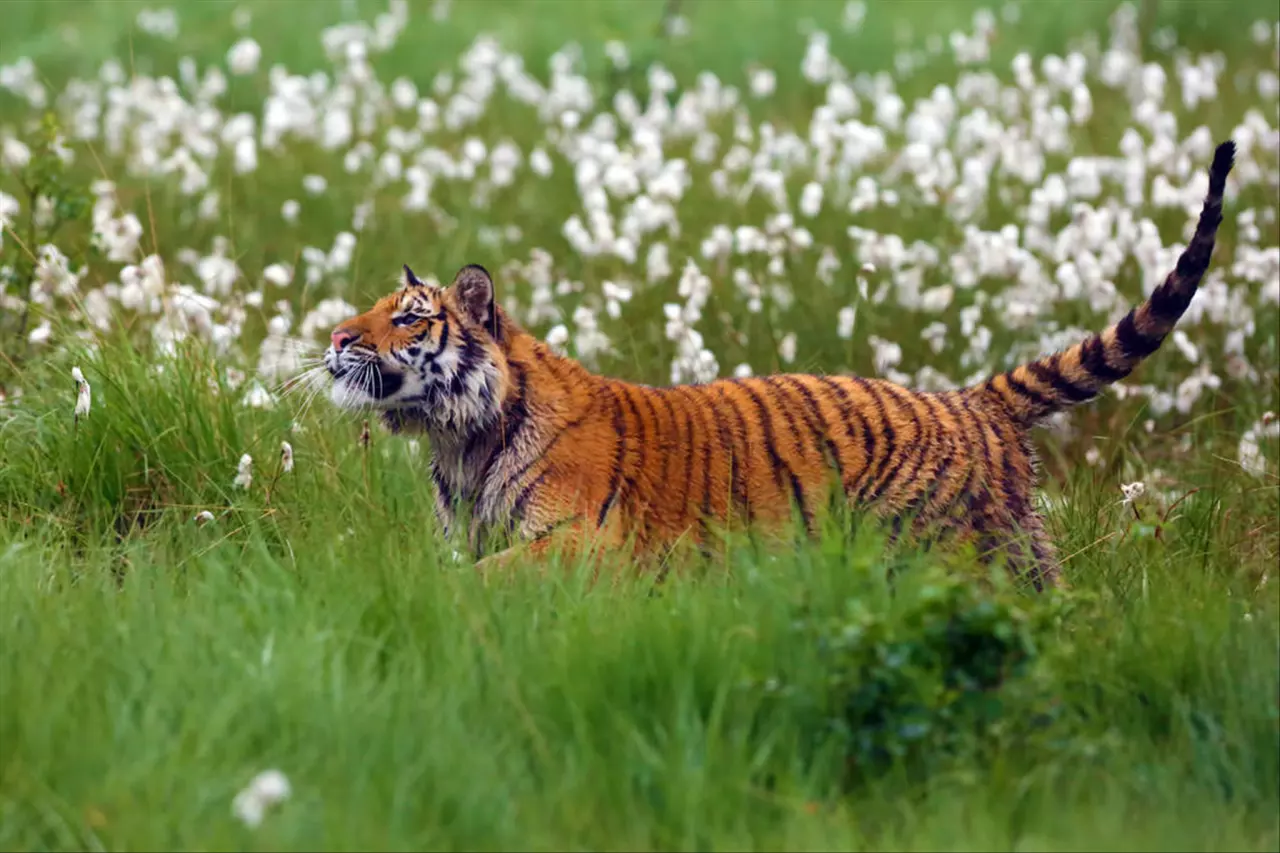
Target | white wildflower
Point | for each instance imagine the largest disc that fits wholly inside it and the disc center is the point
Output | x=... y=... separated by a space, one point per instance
x=278 y=274
x=1132 y=491
x=787 y=348
x=845 y=319
x=286 y=457
x=14 y=154
x=267 y=789
x=203 y=517
x=244 y=472
x=83 y=393
x=243 y=57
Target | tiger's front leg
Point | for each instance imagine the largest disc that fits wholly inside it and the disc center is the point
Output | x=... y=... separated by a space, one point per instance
x=571 y=541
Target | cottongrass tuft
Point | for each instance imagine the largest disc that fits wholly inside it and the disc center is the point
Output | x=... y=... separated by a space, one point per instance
x=244 y=472
x=1132 y=491
x=83 y=394
x=267 y=789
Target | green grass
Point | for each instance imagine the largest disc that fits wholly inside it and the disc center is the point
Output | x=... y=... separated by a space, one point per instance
x=318 y=624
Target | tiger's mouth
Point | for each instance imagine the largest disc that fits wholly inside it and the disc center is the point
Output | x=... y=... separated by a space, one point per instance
x=368 y=383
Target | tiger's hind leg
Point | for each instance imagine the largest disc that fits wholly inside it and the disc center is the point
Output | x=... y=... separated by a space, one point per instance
x=1022 y=541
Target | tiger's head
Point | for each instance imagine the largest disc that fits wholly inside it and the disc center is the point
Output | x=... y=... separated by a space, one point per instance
x=433 y=355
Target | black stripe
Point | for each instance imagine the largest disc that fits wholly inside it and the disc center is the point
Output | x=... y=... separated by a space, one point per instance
x=688 y=450
x=739 y=483
x=1047 y=371
x=980 y=425
x=470 y=353
x=552 y=528
x=771 y=447
x=848 y=413
x=923 y=444
x=1017 y=500
x=524 y=469
x=817 y=424
x=704 y=520
x=1133 y=343
x=518 y=507
x=889 y=466
x=960 y=436
x=1040 y=401
x=692 y=408
x=1093 y=357
x=443 y=487
x=1169 y=300
x=943 y=446
x=551 y=367
x=631 y=483
x=782 y=402
x=444 y=340
x=512 y=421
x=890 y=438
x=615 y=476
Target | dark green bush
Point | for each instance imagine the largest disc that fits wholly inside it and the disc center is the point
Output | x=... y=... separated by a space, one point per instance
x=937 y=667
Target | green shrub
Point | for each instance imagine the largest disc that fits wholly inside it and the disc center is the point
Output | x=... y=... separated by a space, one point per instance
x=937 y=667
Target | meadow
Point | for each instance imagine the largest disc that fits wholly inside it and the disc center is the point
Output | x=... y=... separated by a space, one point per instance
x=208 y=572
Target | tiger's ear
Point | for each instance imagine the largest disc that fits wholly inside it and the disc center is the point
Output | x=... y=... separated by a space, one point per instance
x=410 y=280
x=475 y=294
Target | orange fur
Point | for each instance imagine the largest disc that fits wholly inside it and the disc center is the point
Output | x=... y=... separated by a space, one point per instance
x=543 y=448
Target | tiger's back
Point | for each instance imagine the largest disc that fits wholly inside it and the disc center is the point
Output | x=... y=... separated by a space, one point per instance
x=534 y=444
x=647 y=467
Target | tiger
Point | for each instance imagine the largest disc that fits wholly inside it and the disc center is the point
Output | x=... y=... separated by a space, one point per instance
x=559 y=459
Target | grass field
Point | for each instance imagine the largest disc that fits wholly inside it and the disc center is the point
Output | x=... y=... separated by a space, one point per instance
x=170 y=631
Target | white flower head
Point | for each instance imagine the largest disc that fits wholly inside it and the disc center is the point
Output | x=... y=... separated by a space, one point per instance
x=83 y=394
x=203 y=517
x=265 y=790
x=1132 y=491
x=243 y=57
x=244 y=472
x=286 y=457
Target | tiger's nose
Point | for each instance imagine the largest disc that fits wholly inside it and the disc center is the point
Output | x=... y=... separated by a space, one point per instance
x=341 y=337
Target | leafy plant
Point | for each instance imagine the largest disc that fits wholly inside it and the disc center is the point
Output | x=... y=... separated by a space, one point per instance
x=941 y=667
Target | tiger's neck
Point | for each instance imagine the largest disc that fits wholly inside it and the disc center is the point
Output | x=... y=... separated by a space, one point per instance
x=544 y=394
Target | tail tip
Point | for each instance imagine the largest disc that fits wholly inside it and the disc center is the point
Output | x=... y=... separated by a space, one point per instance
x=1224 y=157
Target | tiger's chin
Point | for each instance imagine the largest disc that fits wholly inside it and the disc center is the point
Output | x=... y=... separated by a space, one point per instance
x=364 y=392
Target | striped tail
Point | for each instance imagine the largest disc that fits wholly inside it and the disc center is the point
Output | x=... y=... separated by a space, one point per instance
x=1033 y=391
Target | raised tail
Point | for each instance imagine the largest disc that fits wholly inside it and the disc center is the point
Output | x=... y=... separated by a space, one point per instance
x=1033 y=391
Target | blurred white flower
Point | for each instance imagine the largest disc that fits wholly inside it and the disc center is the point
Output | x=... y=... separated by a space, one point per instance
x=14 y=154
x=203 y=517
x=286 y=457
x=1132 y=491
x=845 y=319
x=243 y=57
x=162 y=23
x=277 y=274
x=257 y=397
x=264 y=791
x=763 y=82
x=787 y=348
x=244 y=472
x=83 y=394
